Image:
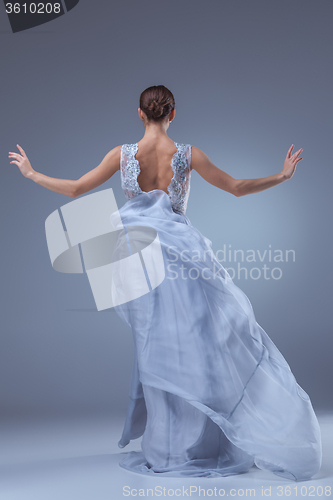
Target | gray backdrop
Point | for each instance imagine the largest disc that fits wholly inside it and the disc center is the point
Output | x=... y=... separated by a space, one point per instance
x=249 y=78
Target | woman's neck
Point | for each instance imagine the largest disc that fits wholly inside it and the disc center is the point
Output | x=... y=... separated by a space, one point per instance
x=156 y=130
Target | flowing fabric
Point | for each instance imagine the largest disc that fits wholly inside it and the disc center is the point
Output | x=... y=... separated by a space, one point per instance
x=211 y=395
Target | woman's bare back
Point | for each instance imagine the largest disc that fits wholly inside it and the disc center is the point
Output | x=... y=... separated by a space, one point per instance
x=155 y=158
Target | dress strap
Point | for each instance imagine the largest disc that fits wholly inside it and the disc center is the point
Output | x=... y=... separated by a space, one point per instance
x=129 y=170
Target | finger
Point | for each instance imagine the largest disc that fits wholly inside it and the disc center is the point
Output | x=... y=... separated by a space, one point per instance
x=14 y=162
x=21 y=149
x=297 y=153
x=289 y=151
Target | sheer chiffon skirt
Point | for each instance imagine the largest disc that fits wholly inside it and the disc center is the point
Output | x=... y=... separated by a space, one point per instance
x=211 y=395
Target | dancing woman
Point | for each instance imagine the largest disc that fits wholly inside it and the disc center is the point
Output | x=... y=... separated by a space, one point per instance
x=211 y=395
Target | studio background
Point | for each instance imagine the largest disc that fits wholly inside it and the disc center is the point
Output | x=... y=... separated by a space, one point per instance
x=250 y=78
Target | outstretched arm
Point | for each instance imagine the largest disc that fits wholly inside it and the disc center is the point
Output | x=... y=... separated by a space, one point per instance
x=73 y=188
x=240 y=187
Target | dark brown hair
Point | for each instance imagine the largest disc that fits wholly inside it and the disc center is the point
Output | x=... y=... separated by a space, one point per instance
x=157 y=102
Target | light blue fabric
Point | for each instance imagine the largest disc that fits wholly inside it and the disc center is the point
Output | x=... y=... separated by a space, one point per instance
x=211 y=395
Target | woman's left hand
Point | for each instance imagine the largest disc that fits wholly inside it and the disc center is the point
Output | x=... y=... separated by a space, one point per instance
x=22 y=161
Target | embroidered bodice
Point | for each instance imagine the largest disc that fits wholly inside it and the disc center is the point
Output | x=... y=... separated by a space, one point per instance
x=179 y=187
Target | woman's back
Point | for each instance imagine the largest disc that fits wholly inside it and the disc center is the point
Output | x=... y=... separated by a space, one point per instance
x=160 y=164
x=155 y=164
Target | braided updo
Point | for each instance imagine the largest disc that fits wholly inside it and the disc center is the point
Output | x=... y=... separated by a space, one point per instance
x=157 y=102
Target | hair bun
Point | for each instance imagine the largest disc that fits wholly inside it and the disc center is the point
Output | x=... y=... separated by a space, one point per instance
x=156 y=108
x=157 y=102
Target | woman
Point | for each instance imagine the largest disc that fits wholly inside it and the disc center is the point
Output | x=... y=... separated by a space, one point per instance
x=211 y=395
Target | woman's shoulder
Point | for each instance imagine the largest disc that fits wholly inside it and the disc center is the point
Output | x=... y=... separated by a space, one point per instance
x=133 y=147
x=198 y=154
x=199 y=160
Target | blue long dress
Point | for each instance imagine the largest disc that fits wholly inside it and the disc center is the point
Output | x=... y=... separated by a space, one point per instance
x=211 y=395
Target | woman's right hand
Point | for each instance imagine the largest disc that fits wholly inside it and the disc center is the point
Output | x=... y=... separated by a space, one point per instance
x=22 y=161
x=290 y=163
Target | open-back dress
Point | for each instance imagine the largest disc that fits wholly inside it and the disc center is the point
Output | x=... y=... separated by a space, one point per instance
x=211 y=395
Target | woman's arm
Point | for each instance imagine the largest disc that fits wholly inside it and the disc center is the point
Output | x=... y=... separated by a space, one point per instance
x=73 y=188
x=240 y=187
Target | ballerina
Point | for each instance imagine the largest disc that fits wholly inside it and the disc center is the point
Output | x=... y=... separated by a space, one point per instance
x=211 y=395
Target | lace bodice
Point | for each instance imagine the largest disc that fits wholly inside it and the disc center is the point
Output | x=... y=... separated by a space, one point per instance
x=179 y=187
